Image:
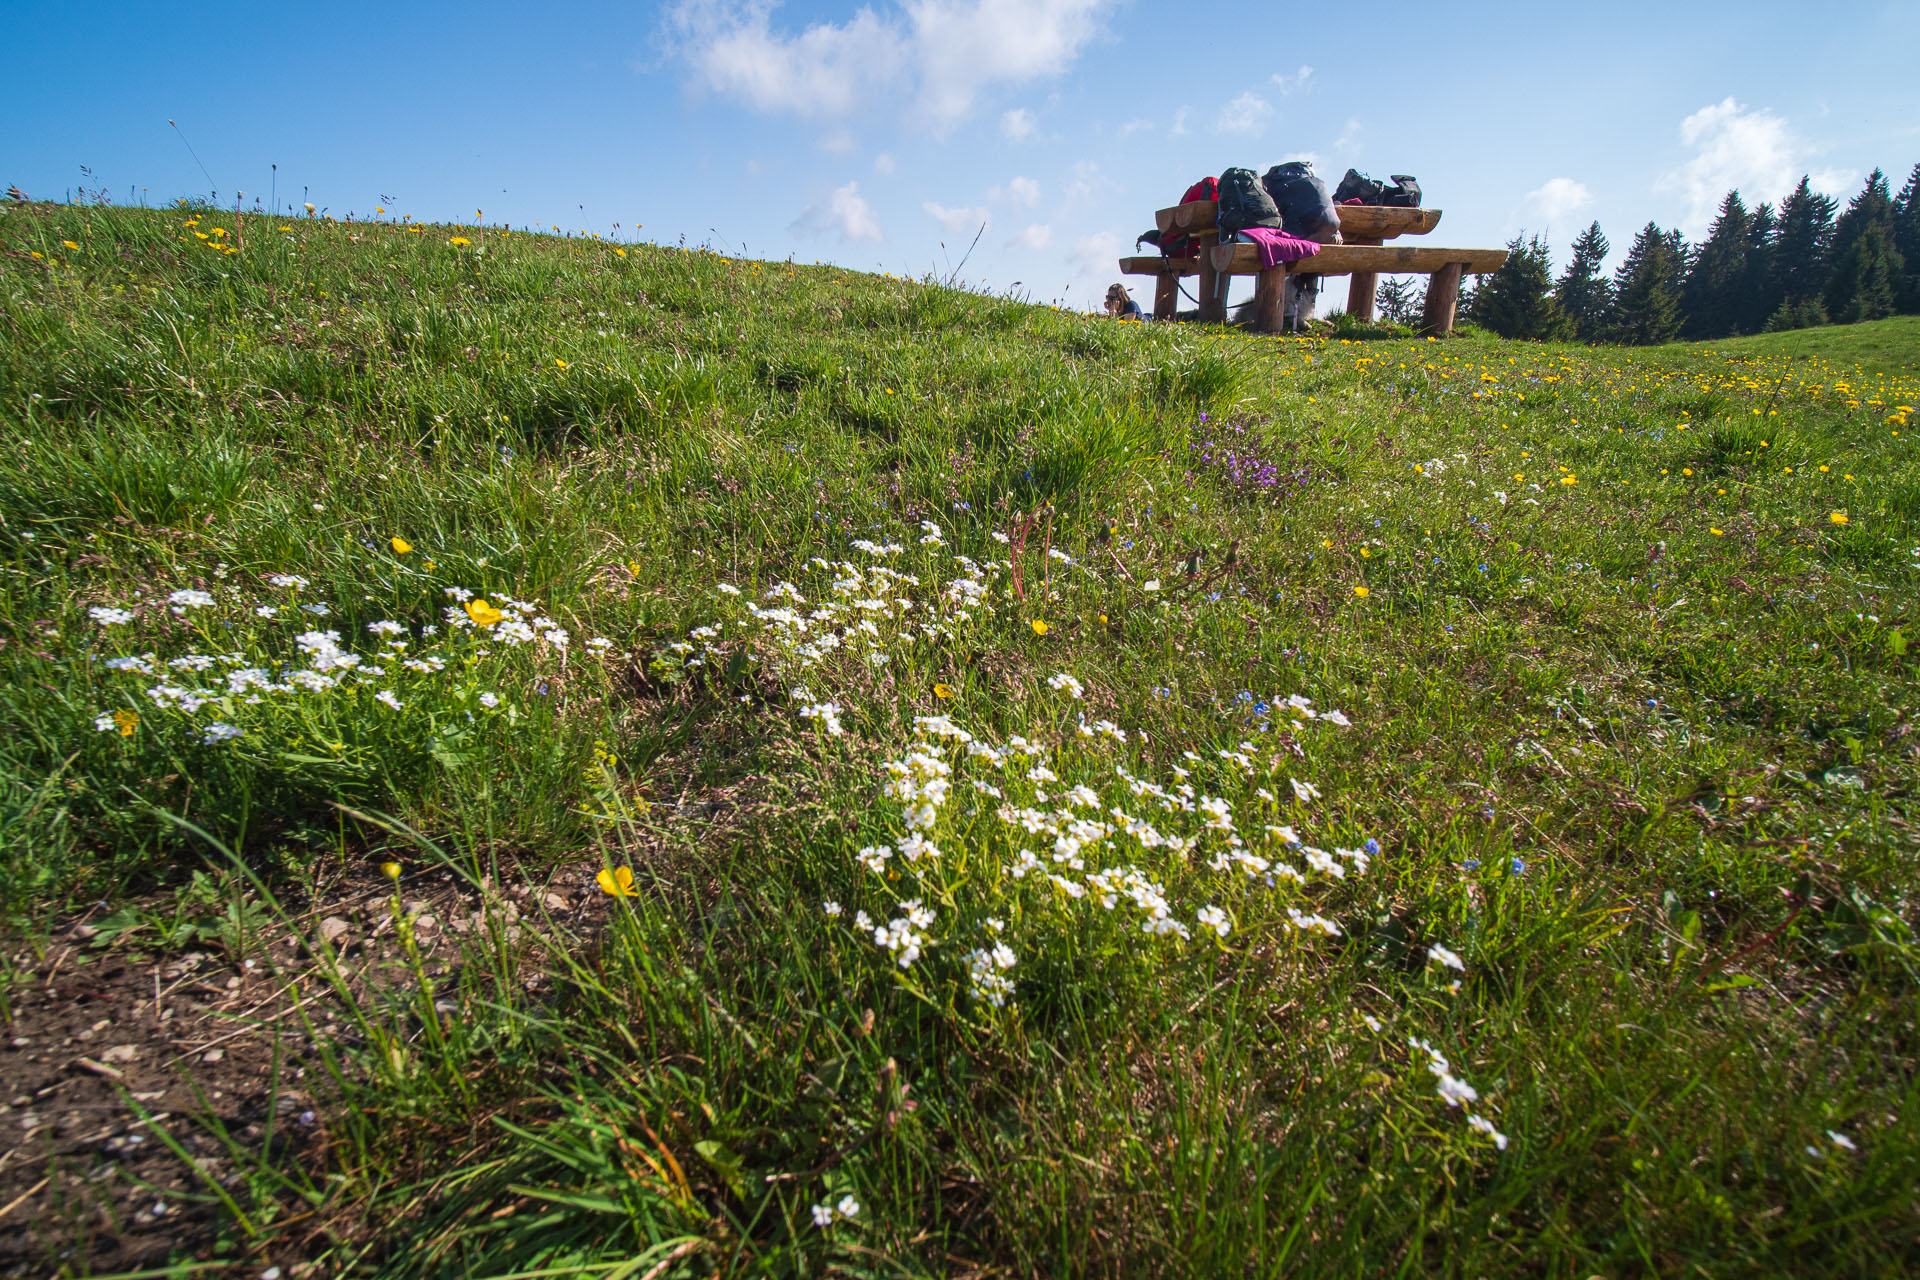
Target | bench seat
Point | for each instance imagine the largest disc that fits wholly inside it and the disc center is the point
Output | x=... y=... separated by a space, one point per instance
x=1346 y=259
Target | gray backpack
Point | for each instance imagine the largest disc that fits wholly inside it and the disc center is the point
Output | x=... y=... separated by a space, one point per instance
x=1306 y=209
x=1244 y=202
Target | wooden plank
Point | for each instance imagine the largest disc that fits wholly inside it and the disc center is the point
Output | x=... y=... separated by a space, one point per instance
x=1360 y=223
x=1345 y=259
x=1443 y=293
x=1357 y=221
x=1156 y=266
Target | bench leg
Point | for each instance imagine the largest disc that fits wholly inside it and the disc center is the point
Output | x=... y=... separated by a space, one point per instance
x=1365 y=284
x=1443 y=293
x=1213 y=306
x=1269 y=300
x=1166 y=296
x=1360 y=295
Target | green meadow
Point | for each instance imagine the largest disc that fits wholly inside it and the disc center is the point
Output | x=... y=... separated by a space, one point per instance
x=531 y=757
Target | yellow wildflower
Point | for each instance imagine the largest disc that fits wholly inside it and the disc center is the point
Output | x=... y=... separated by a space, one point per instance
x=400 y=546
x=1040 y=627
x=617 y=883
x=482 y=613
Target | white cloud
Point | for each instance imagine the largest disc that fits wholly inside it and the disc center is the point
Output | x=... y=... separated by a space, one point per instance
x=956 y=221
x=1739 y=148
x=949 y=51
x=1311 y=157
x=1247 y=113
x=1348 y=135
x=1087 y=180
x=826 y=70
x=1022 y=191
x=883 y=163
x=1018 y=124
x=1178 y=129
x=846 y=213
x=1131 y=127
x=1295 y=83
x=839 y=143
x=1558 y=198
x=1036 y=235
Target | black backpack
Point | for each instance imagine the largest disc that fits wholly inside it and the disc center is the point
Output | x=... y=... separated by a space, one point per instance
x=1358 y=186
x=1306 y=210
x=1245 y=203
x=1403 y=194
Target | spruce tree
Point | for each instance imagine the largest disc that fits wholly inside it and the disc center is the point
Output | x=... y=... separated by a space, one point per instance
x=1397 y=301
x=1867 y=268
x=1713 y=293
x=1517 y=300
x=1679 y=258
x=1800 y=250
x=1906 y=239
x=1757 y=300
x=1646 y=305
x=1584 y=294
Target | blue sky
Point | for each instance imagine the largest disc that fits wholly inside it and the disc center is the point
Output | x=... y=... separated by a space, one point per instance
x=873 y=135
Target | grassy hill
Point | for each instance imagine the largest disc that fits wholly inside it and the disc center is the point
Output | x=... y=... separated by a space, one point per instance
x=532 y=756
x=1890 y=347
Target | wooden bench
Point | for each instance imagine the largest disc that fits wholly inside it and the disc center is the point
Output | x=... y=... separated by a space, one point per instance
x=1364 y=257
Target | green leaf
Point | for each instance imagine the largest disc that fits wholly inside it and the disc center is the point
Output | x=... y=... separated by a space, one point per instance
x=1734 y=983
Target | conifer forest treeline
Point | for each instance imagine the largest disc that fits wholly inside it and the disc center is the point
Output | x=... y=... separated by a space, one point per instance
x=1763 y=269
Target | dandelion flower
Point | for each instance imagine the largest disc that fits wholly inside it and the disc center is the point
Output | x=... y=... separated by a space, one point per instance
x=1040 y=627
x=459 y=240
x=617 y=883
x=1360 y=593
x=942 y=691
x=400 y=546
x=1837 y=517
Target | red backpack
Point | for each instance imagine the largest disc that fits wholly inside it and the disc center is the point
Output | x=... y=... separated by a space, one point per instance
x=1205 y=189
x=1182 y=246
